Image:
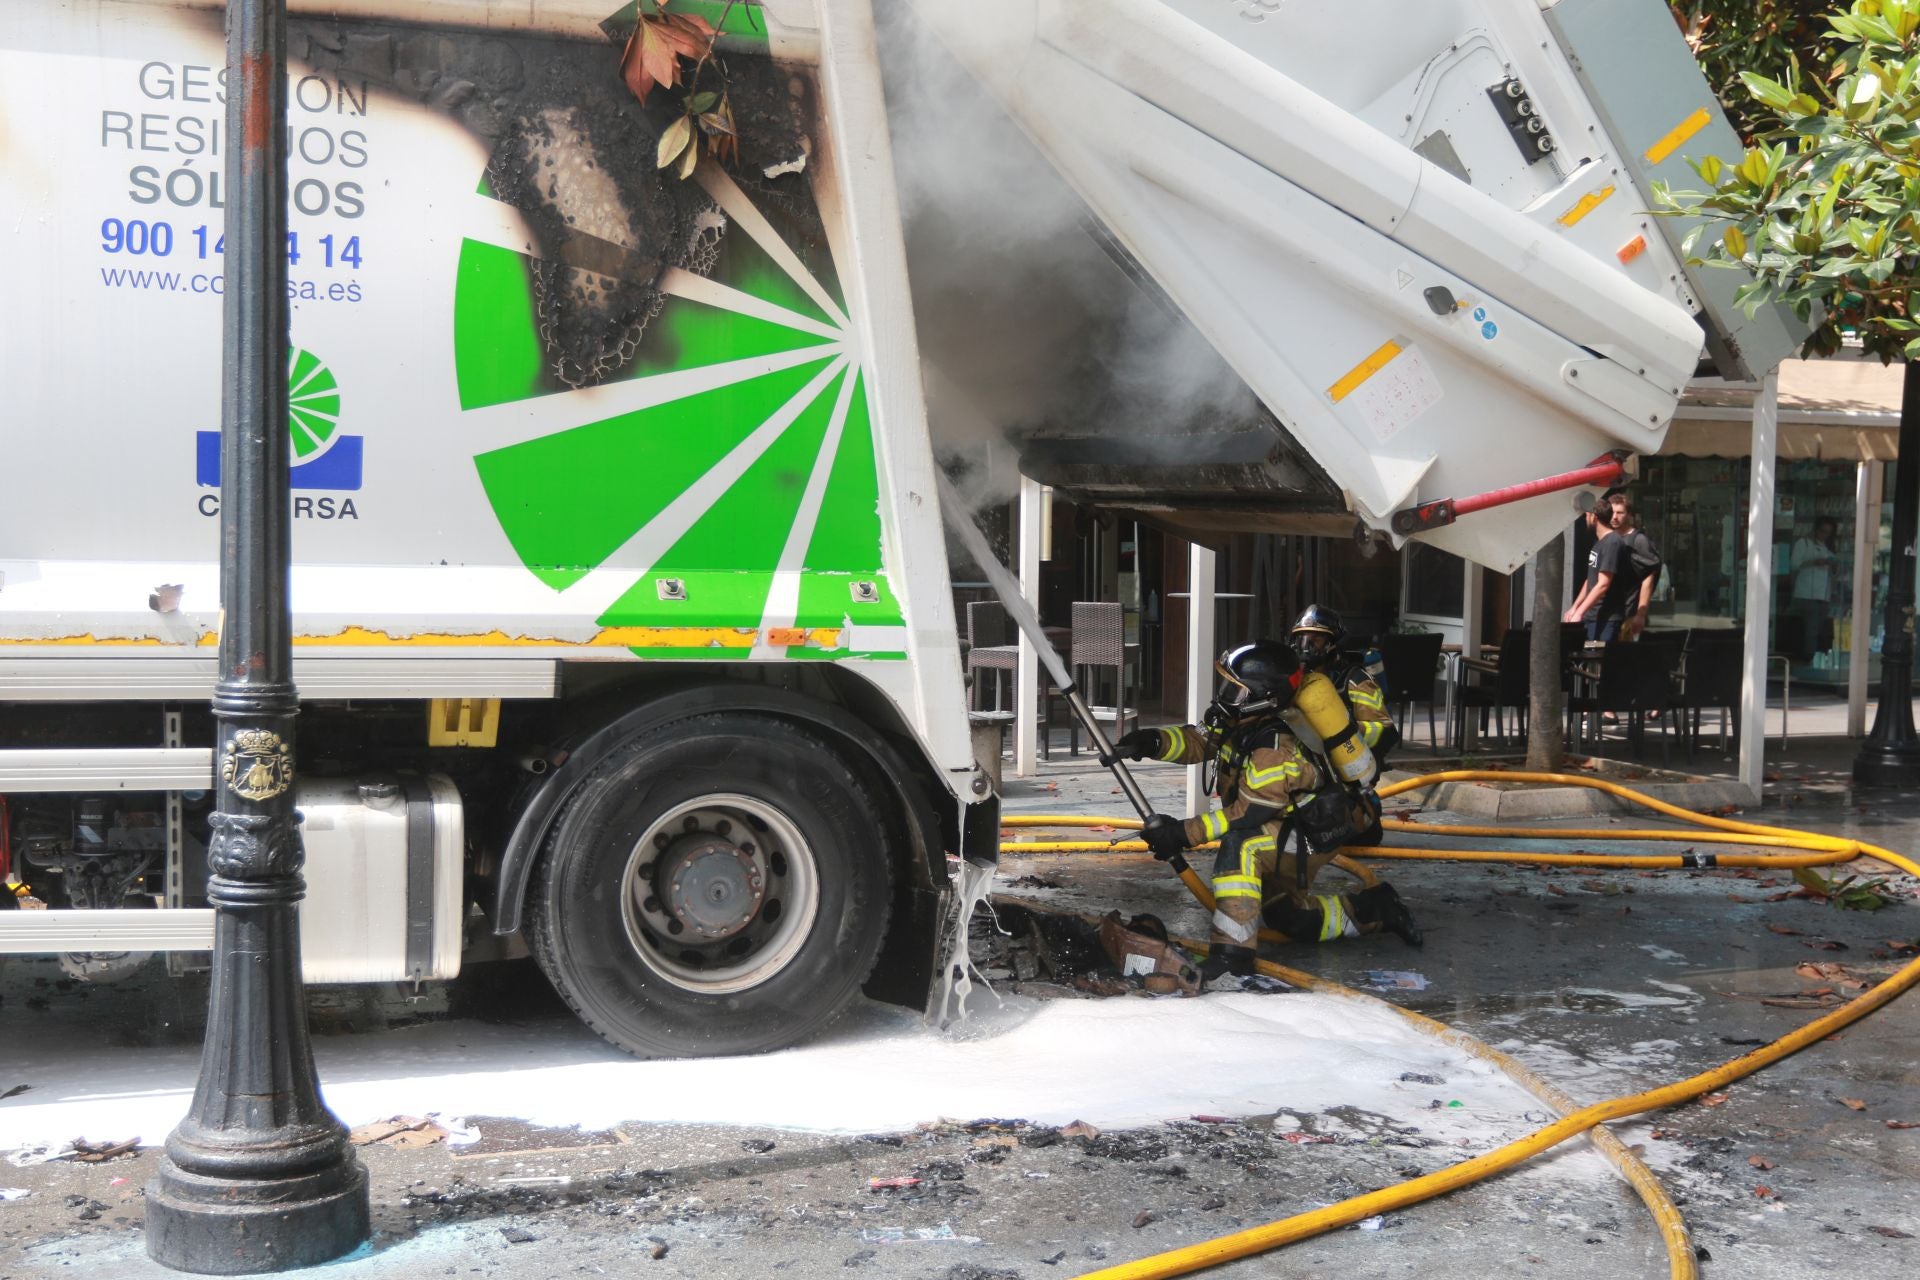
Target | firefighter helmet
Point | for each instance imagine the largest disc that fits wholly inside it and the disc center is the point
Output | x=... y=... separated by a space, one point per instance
x=1256 y=680
x=1317 y=633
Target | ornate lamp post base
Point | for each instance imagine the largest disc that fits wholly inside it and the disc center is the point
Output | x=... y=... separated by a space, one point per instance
x=227 y=1226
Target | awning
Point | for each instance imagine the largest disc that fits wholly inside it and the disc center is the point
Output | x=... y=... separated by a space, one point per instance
x=1843 y=408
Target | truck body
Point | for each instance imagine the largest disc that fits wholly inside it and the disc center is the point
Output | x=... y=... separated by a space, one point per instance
x=621 y=607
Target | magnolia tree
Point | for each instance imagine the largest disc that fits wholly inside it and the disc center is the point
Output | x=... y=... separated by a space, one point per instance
x=1732 y=36
x=1824 y=212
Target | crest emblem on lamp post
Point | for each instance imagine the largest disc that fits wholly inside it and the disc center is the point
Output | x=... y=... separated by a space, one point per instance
x=256 y=765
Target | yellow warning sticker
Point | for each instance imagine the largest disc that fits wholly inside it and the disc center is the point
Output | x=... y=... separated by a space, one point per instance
x=1587 y=204
x=1358 y=375
x=1693 y=124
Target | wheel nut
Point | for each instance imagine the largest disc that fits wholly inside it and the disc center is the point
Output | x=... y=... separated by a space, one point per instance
x=674 y=926
x=651 y=904
x=723 y=826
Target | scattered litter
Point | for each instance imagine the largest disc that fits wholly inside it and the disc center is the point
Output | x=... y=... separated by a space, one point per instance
x=1303 y=1139
x=117 y=1182
x=1903 y=1124
x=518 y=1235
x=1394 y=980
x=1712 y=1099
x=1891 y=1233
x=1420 y=1077
x=942 y=1234
x=759 y=1146
x=1827 y=971
x=534 y=1180
x=1760 y=1162
x=459 y=1132
x=1374 y=1223
x=396 y=1131
x=1144 y=1217
x=14 y=1193
x=1211 y=1119
x=40 y=1153
x=1080 y=1129
x=887 y=1184
x=100 y=1152
x=1764 y=1191
x=1853 y=1104
x=1035 y=1173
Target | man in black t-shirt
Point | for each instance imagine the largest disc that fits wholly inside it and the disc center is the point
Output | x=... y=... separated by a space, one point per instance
x=1612 y=590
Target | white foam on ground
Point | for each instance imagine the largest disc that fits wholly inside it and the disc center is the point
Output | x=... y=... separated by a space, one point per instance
x=1117 y=1062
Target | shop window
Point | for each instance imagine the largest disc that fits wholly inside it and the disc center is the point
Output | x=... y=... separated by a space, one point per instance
x=1436 y=582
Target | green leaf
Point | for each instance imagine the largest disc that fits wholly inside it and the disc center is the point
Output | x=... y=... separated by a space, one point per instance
x=1767 y=90
x=1912 y=350
x=702 y=102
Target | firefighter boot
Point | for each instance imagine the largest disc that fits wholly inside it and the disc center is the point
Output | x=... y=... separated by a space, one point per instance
x=1382 y=907
x=1312 y=917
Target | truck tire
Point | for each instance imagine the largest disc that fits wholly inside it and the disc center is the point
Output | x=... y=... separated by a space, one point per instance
x=717 y=885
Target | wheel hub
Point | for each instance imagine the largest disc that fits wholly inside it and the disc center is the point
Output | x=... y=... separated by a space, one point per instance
x=711 y=886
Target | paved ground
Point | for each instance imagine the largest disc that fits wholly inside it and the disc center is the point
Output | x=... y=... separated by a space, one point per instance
x=1605 y=982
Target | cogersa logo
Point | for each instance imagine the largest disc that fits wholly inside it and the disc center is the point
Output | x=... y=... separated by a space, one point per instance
x=323 y=456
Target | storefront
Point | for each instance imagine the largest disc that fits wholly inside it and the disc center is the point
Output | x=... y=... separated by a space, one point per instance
x=1838 y=429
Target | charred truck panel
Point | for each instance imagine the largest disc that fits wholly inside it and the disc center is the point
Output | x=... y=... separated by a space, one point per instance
x=599 y=513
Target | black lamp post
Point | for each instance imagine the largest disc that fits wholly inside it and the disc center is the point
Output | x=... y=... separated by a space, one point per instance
x=1890 y=757
x=259 y=1176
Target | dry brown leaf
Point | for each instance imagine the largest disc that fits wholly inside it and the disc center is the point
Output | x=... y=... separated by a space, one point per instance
x=1764 y=1191
x=1891 y=1233
x=1853 y=1104
x=1784 y=931
x=1760 y=1162
x=1713 y=1099
x=1903 y=1124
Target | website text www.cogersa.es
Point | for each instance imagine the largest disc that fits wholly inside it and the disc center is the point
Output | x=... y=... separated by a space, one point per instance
x=198 y=282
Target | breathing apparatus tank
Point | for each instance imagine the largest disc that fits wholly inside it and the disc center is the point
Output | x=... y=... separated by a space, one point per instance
x=1319 y=705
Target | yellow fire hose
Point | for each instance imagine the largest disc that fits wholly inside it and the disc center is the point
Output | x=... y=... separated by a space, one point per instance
x=1821 y=850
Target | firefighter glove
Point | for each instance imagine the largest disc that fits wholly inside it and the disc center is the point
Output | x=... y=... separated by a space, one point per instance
x=1141 y=744
x=1166 y=836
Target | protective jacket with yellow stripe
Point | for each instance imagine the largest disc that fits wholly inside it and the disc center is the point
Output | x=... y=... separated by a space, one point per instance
x=1369 y=707
x=1262 y=774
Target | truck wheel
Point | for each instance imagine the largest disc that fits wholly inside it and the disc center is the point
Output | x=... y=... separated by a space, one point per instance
x=716 y=885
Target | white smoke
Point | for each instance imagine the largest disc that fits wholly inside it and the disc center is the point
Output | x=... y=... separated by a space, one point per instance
x=1027 y=324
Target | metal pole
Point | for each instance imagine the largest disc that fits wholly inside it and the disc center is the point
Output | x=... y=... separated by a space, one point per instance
x=1866 y=540
x=259 y=1176
x=1026 y=679
x=1200 y=654
x=1753 y=683
x=1890 y=757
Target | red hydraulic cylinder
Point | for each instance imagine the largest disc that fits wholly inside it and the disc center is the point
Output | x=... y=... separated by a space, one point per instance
x=1605 y=469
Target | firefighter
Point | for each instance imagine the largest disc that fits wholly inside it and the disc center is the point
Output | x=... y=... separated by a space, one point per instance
x=1316 y=638
x=1270 y=791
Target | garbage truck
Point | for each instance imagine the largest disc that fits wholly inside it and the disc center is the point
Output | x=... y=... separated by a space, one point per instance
x=622 y=617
